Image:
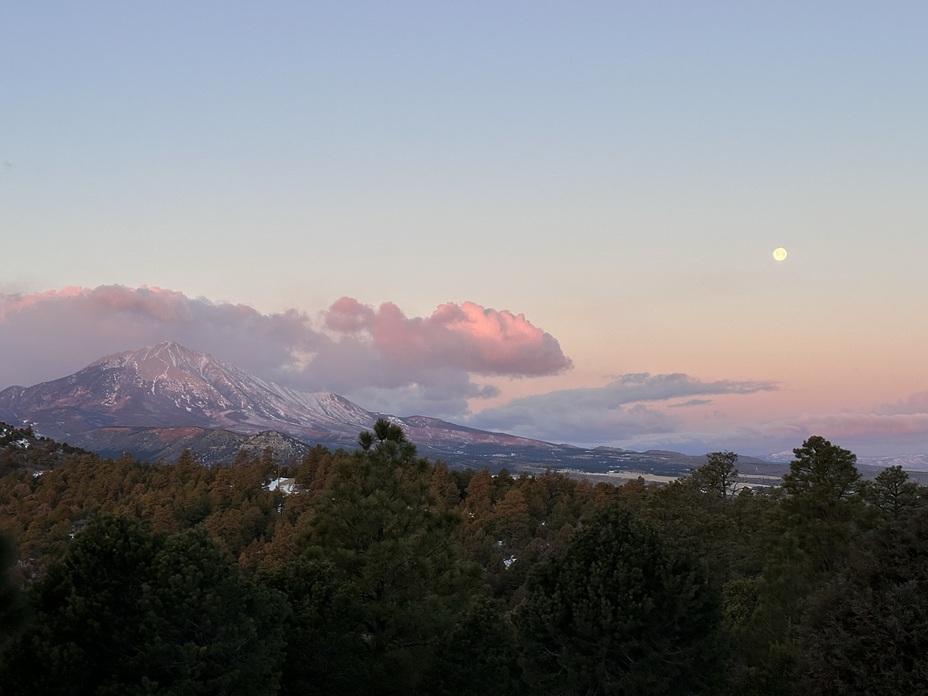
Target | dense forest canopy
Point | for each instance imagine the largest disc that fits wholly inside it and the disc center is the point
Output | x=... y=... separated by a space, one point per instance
x=377 y=571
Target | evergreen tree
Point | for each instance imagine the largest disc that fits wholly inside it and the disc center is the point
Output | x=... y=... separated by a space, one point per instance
x=821 y=510
x=892 y=494
x=12 y=605
x=866 y=632
x=618 y=612
x=809 y=537
x=131 y=612
x=479 y=654
x=322 y=651
x=822 y=479
x=391 y=546
x=718 y=476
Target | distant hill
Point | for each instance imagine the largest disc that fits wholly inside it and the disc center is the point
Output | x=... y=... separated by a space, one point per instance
x=21 y=448
x=210 y=446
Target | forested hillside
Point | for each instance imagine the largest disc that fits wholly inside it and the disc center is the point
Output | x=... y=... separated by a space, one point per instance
x=380 y=572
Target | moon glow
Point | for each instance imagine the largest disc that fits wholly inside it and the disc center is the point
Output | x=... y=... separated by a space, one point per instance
x=779 y=253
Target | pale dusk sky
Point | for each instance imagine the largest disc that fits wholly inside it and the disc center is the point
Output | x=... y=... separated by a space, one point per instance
x=551 y=219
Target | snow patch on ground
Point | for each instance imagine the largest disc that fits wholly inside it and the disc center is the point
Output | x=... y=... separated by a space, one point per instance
x=284 y=484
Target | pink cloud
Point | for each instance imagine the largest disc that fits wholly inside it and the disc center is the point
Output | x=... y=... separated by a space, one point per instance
x=466 y=337
x=348 y=315
x=10 y=304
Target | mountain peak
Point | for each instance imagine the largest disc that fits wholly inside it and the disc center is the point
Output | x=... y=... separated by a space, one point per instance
x=166 y=347
x=171 y=353
x=167 y=359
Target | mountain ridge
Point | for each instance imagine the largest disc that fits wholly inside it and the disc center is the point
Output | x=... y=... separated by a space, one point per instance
x=169 y=386
x=134 y=400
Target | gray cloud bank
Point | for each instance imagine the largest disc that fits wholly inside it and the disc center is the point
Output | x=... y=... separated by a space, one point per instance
x=643 y=411
x=376 y=356
x=622 y=411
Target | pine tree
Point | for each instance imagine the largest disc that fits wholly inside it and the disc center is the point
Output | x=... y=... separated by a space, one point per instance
x=809 y=537
x=892 y=494
x=127 y=611
x=619 y=612
x=391 y=545
x=718 y=476
x=866 y=631
x=12 y=605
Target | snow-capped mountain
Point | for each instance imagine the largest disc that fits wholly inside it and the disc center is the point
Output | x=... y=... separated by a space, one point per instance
x=909 y=462
x=169 y=385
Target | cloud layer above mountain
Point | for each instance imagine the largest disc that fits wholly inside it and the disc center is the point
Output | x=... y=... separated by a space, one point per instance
x=378 y=356
x=438 y=365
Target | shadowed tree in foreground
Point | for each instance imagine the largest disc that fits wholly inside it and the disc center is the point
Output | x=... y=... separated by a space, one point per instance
x=866 y=632
x=385 y=549
x=618 y=612
x=12 y=605
x=131 y=612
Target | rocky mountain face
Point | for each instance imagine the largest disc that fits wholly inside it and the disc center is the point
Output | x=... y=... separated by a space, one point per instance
x=168 y=385
x=210 y=446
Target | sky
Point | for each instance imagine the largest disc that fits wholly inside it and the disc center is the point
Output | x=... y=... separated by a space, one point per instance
x=545 y=218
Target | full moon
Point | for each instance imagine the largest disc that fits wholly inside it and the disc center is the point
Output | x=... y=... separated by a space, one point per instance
x=779 y=253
